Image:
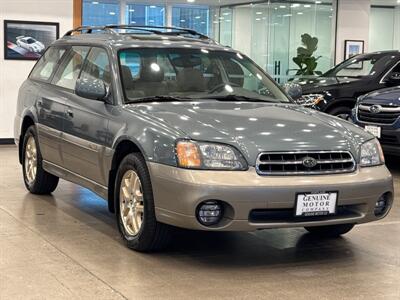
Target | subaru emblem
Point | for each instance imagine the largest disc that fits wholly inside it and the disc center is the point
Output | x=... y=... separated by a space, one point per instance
x=376 y=109
x=309 y=162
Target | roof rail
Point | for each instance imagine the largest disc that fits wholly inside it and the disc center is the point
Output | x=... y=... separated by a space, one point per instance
x=87 y=30
x=145 y=28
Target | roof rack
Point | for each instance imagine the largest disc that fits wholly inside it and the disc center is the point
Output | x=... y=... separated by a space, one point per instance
x=161 y=30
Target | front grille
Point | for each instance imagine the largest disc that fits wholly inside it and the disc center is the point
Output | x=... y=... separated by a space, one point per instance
x=287 y=215
x=384 y=114
x=389 y=140
x=295 y=163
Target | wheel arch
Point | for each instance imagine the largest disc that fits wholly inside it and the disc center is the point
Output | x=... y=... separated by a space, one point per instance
x=347 y=102
x=27 y=121
x=123 y=147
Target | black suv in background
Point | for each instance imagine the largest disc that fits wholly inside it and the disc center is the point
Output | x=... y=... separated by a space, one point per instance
x=336 y=91
x=379 y=113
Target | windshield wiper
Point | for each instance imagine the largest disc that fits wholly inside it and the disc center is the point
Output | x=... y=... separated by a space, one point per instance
x=236 y=98
x=158 y=98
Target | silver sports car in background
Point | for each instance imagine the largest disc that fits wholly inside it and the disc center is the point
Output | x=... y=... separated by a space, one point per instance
x=30 y=44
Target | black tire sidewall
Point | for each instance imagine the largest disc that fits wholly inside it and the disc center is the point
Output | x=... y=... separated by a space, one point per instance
x=136 y=163
x=341 y=110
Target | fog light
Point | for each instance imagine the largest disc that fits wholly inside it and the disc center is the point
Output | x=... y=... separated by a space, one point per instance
x=209 y=212
x=381 y=206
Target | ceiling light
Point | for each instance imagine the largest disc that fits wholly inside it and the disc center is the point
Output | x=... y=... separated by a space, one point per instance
x=295 y=5
x=152 y=6
x=299 y=13
x=95 y=2
x=318 y=2
x=191 y=1
x=259 y=13
x=111 y=13
x=307 y=5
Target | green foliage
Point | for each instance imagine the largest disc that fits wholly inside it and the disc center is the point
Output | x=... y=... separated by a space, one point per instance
x=305 y=60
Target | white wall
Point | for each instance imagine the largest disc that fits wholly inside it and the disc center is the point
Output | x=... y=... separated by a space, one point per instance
x=353 y=24
x=13 y=72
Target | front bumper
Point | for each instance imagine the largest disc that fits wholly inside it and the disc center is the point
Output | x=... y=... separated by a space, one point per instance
x=177 y=192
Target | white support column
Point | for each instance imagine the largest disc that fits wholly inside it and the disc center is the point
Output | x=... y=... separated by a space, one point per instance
x=352 y=24
x=122 y=12
x=168 y=15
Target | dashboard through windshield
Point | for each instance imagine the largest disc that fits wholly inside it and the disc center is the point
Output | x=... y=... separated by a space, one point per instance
x=194 y=74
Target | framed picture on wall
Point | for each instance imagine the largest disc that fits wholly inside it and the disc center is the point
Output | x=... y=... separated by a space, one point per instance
x=353 y=48
x=27 y=40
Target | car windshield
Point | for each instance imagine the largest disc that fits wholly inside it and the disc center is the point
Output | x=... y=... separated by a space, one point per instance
x=30 y=40
x=362 y=66
x=187 y=74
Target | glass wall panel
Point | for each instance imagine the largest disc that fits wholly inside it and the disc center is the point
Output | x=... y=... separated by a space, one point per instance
x=140 y=14
x=101 y=12
x=197 y=18
x=270 y=33
x=224 y=21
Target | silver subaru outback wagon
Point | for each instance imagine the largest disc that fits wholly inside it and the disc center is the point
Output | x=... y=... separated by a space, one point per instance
x=175 y=130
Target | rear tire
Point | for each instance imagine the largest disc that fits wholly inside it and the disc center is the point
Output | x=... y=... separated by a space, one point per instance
x=135 y=208
x=36 y=179
x=342 y=112
x=330 y=230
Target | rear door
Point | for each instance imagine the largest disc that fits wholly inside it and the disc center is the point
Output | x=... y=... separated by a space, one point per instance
x=85 y=129
x=50 y=107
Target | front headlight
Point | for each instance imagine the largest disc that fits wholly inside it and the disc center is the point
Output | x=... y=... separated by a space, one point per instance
x=209 y=156
x=371 y=154
x=310 y=99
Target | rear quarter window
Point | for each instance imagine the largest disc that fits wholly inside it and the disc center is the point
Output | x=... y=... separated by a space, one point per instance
x=47 y=64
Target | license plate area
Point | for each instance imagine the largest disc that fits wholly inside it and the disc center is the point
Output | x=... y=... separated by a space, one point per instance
x=374 y=130
x=316 y=204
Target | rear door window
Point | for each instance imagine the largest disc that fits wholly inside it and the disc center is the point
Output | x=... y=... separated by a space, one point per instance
x=47 y=64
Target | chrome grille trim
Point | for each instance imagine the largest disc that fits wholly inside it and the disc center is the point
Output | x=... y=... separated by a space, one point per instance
x=387 y=115
x=339 y=162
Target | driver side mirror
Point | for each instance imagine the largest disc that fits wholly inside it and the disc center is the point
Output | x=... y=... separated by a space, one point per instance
x=393 y=79
x=94 y=89
x=293 y=90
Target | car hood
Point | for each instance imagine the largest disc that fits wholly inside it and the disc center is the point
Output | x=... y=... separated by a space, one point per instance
x=254 y=127
x=320 y=84
x=386 y=96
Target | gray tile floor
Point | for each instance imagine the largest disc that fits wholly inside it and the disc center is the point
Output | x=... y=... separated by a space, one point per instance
x=67 y=246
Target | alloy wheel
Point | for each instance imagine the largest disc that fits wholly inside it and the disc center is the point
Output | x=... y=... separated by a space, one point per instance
x=30 y=160
x=131 y=202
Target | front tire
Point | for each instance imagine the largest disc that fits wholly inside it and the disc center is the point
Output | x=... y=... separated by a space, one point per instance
x=36 y=179
x=330 y=230
x=342 y=112
x=135 y=207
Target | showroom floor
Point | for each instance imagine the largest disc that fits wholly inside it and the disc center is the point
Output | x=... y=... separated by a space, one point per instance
x=67 y=246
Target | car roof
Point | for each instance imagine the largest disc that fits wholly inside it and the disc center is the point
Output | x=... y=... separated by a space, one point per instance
x=141 y=37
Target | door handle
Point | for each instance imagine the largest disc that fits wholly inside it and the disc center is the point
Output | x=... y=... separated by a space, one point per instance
x=69 y=113
x=40 y=103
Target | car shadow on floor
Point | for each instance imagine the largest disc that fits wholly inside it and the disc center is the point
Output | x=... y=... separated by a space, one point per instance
x=267 y=247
